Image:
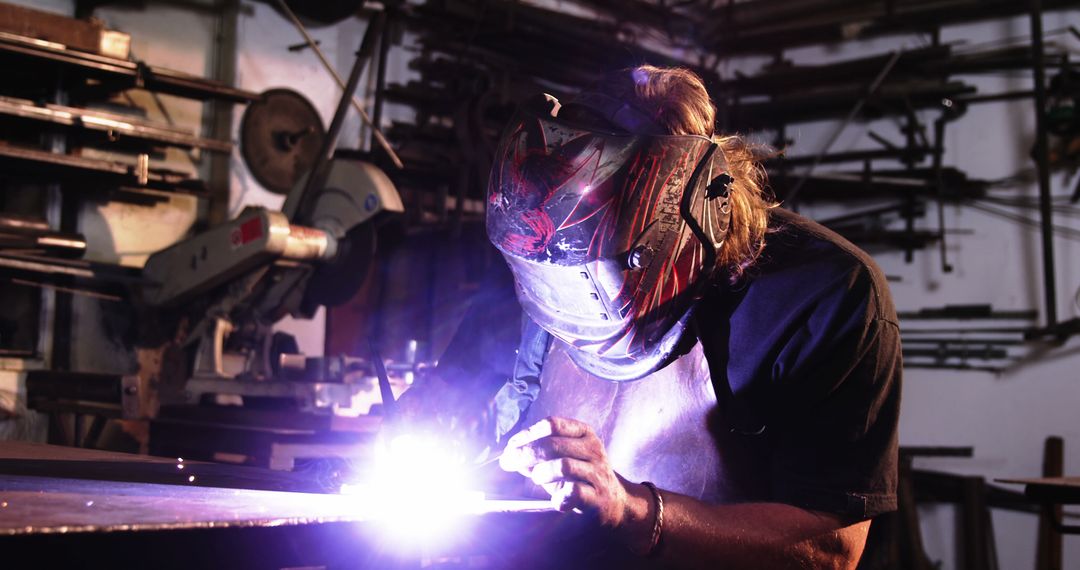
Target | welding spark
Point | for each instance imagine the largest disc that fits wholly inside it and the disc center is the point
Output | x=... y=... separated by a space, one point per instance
x=417 y=488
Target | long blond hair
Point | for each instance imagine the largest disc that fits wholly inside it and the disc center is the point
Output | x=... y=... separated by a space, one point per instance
x=676 y=98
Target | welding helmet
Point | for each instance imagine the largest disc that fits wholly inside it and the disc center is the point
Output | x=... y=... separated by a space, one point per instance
x=610 y=227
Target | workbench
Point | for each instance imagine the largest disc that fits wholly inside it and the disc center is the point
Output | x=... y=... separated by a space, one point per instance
x=64 y=507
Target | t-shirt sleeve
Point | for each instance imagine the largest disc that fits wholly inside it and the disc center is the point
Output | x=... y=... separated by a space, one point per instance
x=836 y=393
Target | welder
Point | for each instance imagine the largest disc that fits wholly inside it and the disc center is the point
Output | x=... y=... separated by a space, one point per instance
x=712 y=378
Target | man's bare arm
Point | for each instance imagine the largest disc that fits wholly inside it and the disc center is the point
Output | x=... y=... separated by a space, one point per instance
x=567 y=459
x=749 y=535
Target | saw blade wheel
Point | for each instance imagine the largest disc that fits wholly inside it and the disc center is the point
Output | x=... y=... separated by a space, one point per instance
x=280 y=137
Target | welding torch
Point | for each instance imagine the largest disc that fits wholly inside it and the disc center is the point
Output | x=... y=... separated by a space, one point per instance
x=391 y=412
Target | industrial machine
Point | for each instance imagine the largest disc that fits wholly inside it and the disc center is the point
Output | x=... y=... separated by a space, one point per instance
x=220 y=379
x=262 y=266
x=247 y=389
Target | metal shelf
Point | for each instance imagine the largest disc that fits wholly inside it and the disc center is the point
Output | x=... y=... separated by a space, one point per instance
x=129 y=74
x=114 y=124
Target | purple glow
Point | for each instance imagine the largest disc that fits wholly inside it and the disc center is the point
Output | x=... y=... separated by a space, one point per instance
x=418 y=490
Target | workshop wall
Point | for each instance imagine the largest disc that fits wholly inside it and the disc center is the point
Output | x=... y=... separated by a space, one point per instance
x=1005 y=416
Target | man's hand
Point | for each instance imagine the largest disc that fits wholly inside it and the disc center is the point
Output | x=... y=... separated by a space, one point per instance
x=568 y=460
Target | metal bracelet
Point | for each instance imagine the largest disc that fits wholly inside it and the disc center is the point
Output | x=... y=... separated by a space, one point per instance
x=658 y=521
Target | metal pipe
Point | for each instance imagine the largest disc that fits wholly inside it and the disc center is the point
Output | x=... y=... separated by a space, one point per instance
x=939 y=182
x=858 y=156
x=967 y=367
x=765 y=34
x=792 y=195
x=864 y=214
x=380 y=87
x=982 y=353
x=993 y=97
x=964 y=341
x=1042 y=161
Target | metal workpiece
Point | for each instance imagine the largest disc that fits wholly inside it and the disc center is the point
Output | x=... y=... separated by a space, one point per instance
x=62 y=507
x=77 y=506
x=57 y=522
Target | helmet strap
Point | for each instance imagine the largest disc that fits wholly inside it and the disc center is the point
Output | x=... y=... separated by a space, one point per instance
x=686 y=209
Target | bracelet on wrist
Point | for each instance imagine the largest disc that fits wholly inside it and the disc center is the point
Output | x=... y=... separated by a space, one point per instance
x=658 y=519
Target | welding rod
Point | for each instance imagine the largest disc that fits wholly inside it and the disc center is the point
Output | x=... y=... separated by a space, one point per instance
x=538 y=435
x=488 y=461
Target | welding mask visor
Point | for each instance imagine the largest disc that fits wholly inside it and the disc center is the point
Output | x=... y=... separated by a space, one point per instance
x=608 y=234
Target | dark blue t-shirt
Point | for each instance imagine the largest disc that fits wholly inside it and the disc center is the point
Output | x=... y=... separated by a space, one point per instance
x=804 y=354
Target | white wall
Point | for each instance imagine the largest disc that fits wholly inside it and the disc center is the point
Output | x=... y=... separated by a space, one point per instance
x=1007 y=416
